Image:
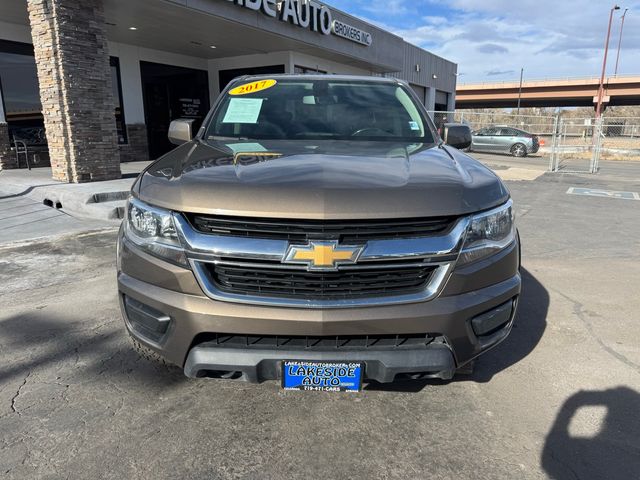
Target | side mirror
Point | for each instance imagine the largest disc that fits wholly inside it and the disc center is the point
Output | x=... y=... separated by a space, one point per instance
x=457 y=135
x=181 y=131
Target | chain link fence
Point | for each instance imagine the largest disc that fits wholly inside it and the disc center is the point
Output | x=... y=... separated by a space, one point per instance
x=567 y=144
x=582 y=143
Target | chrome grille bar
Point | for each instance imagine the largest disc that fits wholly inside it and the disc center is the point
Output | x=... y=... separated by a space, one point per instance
x=204 y=246
x=439 y=251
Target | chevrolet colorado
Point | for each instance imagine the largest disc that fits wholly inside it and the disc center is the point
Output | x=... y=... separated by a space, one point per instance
x=316 y=230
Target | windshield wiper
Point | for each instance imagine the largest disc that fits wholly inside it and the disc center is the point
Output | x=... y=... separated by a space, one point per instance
x=227 y=139
x=441 y=146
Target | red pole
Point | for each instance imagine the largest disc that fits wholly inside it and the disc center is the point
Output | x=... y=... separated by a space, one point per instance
x=604 y=63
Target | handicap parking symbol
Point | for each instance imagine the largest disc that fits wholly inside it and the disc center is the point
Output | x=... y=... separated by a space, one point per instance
x=594 y=192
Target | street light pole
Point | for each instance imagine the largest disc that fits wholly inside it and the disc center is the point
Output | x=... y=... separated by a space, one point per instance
x=620 y=40
x=604 y=63
x=520 y=90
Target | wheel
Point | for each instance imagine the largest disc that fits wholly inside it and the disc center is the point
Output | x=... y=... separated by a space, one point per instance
x=148 y=353
x=519 y=150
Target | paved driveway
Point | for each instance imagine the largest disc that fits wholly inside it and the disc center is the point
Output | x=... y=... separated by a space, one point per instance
x=560 y=398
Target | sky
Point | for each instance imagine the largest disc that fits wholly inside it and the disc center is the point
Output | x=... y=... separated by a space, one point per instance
x=491 y=40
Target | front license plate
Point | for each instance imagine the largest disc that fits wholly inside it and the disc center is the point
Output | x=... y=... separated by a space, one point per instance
x=322 y=376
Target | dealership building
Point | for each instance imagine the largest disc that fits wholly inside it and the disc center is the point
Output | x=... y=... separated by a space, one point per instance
x=88 y=84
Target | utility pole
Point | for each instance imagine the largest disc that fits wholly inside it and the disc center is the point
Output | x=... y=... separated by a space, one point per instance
x=620 y=40
x=604 y=64
x=520 y=91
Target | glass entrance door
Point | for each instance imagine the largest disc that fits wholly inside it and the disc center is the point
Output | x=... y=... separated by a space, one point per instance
x=170 y=93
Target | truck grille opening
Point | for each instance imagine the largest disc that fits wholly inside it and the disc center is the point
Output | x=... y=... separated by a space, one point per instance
x=304 y=230
x=272 y=280
x=318 y=343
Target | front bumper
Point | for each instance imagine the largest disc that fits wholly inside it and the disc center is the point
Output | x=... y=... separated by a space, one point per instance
x=257 y=365
x=173 y=292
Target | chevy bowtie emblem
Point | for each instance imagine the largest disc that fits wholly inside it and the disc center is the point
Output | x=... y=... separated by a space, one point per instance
x=322 y=255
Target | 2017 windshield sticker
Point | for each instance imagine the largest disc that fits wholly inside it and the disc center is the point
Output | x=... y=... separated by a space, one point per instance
x=414 y=126
x=243 y=110
x=252 y=87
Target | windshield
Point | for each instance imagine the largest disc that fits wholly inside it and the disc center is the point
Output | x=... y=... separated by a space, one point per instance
x=319 y=109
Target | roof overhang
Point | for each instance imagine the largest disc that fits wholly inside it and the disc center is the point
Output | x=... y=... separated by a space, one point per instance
x=191 y=28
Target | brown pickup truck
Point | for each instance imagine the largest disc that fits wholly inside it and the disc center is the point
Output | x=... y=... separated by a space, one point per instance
x=316 y=230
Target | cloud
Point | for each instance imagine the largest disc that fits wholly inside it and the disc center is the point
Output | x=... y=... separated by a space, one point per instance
x=493 y=73
x=376 y=7
x=435 y=20
x=491 y=48
x=548 y=38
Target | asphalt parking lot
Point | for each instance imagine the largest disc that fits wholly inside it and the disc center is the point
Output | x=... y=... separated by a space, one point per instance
x=558 y=399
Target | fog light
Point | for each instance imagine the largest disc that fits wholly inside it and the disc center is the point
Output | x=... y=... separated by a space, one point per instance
x=493 y=320
x=146 y=321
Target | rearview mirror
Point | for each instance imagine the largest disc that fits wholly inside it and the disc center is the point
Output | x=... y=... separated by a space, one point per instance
x=181 y=131
x=456 y=135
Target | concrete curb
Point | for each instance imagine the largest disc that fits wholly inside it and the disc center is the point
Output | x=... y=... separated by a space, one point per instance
x=79 y=202
x=99 y=200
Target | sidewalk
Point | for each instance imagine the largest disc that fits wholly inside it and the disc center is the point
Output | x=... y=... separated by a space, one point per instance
x=102 y=201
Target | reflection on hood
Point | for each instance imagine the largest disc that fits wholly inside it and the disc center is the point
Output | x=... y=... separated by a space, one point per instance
x=320 y=178
x=339 y=163
x=243 y=153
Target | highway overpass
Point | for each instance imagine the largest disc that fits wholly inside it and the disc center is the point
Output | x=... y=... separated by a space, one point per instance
x=567 y=92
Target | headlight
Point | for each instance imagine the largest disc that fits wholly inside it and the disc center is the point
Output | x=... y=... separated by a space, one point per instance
x=153 y=230
x=488 y=233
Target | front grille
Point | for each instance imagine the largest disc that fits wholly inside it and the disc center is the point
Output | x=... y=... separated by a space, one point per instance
x=318 y=343
x=270 y=279
x=303 y=230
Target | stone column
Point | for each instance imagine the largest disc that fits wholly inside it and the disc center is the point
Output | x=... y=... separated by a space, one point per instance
x=70 y=47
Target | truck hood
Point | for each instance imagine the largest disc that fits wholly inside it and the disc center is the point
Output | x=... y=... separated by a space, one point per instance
x=319 y=180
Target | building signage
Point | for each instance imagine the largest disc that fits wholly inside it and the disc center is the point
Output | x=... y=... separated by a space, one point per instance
x=307 y=14
x=190 y=108
x=351 y=33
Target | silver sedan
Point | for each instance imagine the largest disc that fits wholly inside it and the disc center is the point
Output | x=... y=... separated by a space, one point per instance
x=504 y=140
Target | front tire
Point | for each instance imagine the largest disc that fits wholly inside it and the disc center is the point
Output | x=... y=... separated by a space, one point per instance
x=519 y=150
